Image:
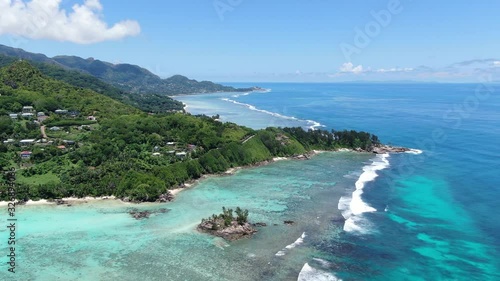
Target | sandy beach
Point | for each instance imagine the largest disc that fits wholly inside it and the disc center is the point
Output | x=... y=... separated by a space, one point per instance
x=68 y=200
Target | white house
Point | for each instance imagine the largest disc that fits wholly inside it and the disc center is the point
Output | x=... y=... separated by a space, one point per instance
x=28 y=115
x=181 y=154
x=26 y=142
x=28 y=109
x=61 y=111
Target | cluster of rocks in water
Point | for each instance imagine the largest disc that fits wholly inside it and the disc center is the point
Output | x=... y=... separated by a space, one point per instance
x=389 y=149
x=234 y=231
x=138 y=215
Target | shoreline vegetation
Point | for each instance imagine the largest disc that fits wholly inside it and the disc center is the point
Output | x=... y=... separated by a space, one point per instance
x=173 y=193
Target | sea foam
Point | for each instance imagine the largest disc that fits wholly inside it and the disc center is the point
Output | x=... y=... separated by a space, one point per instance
x=263 y=91
x=309 y=273
x=353 y=207
x=415 y=151
x=311 y=124
x=297 y=242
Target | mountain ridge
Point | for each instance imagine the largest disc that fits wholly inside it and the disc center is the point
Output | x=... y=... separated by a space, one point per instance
x=127 y=77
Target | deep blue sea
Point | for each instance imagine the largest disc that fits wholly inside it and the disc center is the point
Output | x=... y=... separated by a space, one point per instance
x=427 y=216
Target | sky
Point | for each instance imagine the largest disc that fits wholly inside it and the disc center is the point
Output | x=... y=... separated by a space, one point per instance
x=269 y=40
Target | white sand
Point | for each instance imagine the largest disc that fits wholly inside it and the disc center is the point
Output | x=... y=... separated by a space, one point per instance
x=69 y=200
x=275 y=159
x=177 y=191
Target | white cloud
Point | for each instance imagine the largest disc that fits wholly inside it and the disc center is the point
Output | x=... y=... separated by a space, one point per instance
x=395 y=69
x=349 y=67
x=496 y=63
x=45 y=19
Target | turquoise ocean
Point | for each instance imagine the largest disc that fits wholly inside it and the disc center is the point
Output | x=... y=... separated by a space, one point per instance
x=427 y=215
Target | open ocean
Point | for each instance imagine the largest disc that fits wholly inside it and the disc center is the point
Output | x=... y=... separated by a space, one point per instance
x=432 y=216
x=415 y=216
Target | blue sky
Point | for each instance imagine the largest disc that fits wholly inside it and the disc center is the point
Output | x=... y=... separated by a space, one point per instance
x=269 y=40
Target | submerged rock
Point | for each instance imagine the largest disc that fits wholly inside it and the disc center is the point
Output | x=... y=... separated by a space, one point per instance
x=289 y=222
x=138 y=215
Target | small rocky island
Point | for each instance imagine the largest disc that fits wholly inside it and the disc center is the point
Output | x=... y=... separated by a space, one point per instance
x=227 y=226
x=382 y=149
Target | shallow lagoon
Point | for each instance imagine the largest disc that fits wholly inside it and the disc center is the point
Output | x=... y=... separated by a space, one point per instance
x=101 y=241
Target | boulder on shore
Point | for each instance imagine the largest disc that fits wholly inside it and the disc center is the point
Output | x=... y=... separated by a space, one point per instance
x=165 y=197
x=389 y=149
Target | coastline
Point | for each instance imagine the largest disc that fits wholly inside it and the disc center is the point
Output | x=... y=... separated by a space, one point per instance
x=66 y=200
x=194 y=182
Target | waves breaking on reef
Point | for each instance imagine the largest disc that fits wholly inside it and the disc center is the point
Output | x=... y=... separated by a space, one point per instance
x=297 y=242
x=309 y=273
x=311 y=124
x=353 y=207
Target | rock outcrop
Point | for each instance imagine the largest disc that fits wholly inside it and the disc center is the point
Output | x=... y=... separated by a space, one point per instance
x=233 y=232
x=389 y=149
x=227 y=226
x=165 y=197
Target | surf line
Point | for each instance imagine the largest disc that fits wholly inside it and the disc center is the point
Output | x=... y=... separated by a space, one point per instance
x=297 y=242
x=311 y=123
x=353 y=207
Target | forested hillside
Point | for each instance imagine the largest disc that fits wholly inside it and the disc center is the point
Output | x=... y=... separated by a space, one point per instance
x=126 y=77
x=69 y=141
x=146 y=102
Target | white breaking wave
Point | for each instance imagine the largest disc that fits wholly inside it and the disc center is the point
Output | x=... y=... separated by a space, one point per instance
x=311 y=123
x=309 y=273
x=322 y=262
x=297 y=242
x=240 y=95
x=354 y=207
x=415 y=151
x=263 y=91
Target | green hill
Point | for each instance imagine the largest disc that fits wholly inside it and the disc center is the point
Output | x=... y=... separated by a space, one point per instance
x=127 y=77
x=146 y=102
x=21 y=84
